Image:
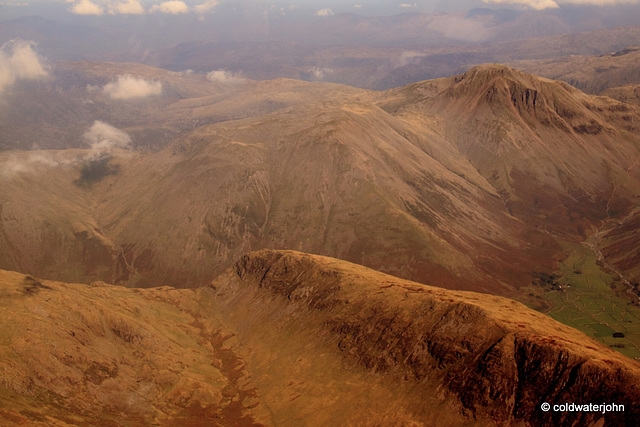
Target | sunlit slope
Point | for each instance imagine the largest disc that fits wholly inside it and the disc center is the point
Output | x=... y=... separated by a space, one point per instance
x=76 y=354
x=286 y=338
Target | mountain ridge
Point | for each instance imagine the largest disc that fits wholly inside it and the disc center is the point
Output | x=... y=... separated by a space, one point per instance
x=284 y=336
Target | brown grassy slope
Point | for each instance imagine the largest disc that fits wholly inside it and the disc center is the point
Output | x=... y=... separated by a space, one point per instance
x=340 y=178
x=629 y=94
x=47 y=222
x=286 y=338
x=84 y=355
x=501 y=359
x=465 y=182
x=559 y=158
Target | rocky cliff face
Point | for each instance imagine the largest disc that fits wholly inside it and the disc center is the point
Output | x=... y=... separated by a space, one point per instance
x=499 y=358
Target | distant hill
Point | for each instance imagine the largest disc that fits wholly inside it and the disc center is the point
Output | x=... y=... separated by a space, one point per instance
x=472 y=182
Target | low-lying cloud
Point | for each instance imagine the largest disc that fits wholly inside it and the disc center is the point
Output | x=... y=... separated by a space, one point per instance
x=409 y=57
x=461 y=28
x=225 y=77
x=130 y=87
x=101 y=138
x=320 y=73
x=134 y=7
x=19 y=61
x=554 y=4
x=18 y=164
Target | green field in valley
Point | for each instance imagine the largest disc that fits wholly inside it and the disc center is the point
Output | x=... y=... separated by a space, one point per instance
x=585 y=300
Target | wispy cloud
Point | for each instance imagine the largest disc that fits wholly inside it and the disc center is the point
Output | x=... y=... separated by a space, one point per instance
x=409 y=57
x=225 y=77
x=206 y=7
x=129 y=87
x=127 y=7
x=324 y=12
x=86 y=7
x=101 y=138
x=19 y=61
x=320 y=73
x=15 y=164
x=173 y=7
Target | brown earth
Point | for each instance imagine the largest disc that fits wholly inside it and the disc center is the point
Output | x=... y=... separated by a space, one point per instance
x=286 y=338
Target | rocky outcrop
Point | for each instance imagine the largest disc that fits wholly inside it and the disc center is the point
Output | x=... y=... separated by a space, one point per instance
x=498 y=357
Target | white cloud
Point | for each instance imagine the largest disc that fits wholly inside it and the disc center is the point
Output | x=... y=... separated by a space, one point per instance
x=15 y=164
x=554 y=4
x=129 y=87
x=408 y=5
x=224 y=77
x=19 y=61
x=324 y=12
x=127 y=7
x=409 y=57
x=206 y=7
x=320 y=73
x=103 y=138
x=173 y=7
x=86 y=7
x=357 y=6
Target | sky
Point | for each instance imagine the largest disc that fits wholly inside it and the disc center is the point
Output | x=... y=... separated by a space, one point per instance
x=319 y=8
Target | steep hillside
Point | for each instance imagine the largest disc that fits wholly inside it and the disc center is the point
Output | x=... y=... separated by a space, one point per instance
x=559 y=159
x=340 y=178
x=285 y=338
x=474 y=182
x=104 y=355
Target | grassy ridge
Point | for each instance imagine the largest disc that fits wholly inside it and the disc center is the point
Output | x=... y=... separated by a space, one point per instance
x=587 y=302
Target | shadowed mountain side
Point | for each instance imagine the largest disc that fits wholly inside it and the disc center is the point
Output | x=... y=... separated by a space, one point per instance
x=47 y=216
x=560 y=159
x=286 y=338
x=501 y=359
x=339 y=178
